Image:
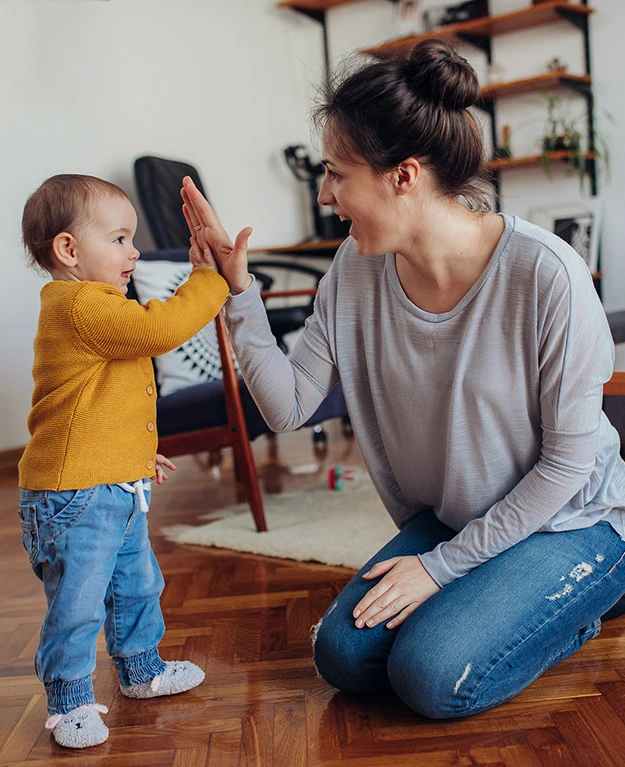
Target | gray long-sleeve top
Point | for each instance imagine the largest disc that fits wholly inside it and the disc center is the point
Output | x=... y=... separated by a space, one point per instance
x=490 y=413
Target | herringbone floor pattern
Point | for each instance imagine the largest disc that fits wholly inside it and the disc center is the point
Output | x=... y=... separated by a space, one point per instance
x=246 y=620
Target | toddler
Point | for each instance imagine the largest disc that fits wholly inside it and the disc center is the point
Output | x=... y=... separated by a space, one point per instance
x=83 y=475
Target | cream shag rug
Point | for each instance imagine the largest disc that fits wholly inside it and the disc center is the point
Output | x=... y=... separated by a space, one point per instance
x=336 y=528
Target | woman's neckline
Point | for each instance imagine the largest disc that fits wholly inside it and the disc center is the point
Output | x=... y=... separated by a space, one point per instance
x=391 y=267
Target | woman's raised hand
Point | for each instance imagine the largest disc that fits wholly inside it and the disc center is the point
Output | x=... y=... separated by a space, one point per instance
x=210 y=242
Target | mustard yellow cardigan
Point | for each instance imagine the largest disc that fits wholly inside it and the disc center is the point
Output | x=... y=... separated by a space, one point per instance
x=93 y=417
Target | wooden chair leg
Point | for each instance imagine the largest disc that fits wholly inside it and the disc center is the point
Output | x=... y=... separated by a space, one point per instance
x=237 y=427
x=244 y=461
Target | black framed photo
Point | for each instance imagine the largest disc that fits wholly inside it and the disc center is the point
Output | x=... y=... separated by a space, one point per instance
x=578 y=223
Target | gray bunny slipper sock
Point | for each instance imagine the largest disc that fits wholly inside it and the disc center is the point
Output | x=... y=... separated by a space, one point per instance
x=179 y=676
x=79 y=728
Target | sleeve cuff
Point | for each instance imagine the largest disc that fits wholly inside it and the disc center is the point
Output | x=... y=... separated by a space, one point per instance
x=437 y=568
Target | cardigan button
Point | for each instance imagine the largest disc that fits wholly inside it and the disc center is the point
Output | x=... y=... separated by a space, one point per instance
x=150 y=389
x=150 y=464
x=150 y=426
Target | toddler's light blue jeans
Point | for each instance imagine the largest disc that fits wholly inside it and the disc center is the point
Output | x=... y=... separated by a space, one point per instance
x=92 y=552
x=483 y=638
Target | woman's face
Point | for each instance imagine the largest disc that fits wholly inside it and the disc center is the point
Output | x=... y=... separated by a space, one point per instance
x=358 y=192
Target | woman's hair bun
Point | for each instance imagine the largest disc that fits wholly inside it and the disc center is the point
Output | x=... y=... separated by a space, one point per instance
x=439 y=74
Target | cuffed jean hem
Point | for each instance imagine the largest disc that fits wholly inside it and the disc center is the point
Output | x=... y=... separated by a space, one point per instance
x=139 y=668
x=64 y=697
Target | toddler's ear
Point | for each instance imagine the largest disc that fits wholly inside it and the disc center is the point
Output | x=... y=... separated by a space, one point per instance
x=64 y=249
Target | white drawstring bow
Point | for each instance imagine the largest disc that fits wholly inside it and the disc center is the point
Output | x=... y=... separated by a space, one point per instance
x=138 y=488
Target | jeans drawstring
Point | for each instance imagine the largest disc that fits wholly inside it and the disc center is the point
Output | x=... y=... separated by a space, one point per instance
x=138 y=488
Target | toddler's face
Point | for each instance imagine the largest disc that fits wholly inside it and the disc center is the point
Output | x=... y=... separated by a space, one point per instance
x=104 y=249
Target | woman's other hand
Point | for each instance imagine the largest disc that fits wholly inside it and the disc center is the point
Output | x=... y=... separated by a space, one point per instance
x=406 y=585
x=210 y=243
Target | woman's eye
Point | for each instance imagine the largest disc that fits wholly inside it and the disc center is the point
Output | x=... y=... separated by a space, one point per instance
x=332 y=174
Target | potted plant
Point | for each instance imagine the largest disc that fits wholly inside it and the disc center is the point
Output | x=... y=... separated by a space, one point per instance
x=562 y=133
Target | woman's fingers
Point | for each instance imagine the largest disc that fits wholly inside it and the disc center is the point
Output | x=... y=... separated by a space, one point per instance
x=399 y=619
x=373 y=596
x=405 y=586
x=387 y=606
x=381 y=567
x=240 y=244
x=190 y=217
x=201 y=209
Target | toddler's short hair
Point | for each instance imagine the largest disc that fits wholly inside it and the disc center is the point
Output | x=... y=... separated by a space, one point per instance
x=60 y=204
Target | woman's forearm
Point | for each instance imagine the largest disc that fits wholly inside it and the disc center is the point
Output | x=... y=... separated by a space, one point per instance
x=287 y=391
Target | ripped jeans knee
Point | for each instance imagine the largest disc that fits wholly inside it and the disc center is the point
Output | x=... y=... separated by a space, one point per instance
x=348 y=658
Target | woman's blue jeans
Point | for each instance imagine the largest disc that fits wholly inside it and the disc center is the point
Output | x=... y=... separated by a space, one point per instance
x=486 y=636
x=92 y=552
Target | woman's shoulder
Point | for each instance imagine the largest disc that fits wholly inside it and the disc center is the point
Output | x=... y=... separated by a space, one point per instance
x=533 y=243
x=536 y=252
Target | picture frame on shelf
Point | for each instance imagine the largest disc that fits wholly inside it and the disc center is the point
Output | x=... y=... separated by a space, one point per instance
x=577 y=223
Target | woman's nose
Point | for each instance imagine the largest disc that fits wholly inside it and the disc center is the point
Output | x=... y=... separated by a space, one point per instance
x=325 y=197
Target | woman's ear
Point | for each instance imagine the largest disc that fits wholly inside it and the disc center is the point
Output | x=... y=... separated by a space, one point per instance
x=406 y=175
x=64 y=249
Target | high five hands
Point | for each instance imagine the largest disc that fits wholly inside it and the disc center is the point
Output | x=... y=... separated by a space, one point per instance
x=210 y=244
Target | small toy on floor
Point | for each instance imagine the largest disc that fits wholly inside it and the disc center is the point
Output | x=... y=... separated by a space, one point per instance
x=344 y=477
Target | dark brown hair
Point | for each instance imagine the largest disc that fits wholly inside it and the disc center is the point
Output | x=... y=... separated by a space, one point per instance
x=61 y=204
x=397 y=108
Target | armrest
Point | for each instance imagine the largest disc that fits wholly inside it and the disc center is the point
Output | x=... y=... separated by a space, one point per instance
x=616 y=384
x=288 y=293
x=289 y=266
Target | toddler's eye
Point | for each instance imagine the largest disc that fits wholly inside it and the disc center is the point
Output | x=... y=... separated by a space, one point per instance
x=120 y=239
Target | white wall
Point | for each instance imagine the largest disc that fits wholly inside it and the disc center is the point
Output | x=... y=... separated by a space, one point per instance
x=88 y=86
x=226 y=84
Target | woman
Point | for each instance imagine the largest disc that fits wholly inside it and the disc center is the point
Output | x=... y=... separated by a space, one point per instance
x=472 y=350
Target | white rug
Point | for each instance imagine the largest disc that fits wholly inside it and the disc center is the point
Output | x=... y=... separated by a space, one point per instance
x=336 y=528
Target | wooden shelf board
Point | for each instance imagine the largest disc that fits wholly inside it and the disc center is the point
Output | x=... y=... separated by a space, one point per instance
x=313 y=5
x=310 y=246
x=530 y=160
x=487 y=26
x=532 y=84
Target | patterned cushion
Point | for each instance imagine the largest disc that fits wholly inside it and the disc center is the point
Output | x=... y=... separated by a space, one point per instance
x=197 y=360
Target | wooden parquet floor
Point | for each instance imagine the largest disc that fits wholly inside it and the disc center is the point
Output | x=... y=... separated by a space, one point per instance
x=247 y=620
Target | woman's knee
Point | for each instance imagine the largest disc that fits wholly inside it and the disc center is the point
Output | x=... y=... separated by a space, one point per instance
x=435 y=684
x=346 y=657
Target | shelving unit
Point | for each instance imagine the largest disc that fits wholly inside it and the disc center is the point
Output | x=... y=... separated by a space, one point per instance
x=579 y=83
x=533 y=159
x=478 y=32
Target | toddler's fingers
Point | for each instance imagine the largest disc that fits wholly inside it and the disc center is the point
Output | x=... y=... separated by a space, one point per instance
x=195 y=252
x=165 y=462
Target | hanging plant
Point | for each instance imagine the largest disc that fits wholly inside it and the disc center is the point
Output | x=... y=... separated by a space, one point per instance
x=562 y=133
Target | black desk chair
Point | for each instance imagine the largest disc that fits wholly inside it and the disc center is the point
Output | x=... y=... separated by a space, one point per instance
x=158 y=184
